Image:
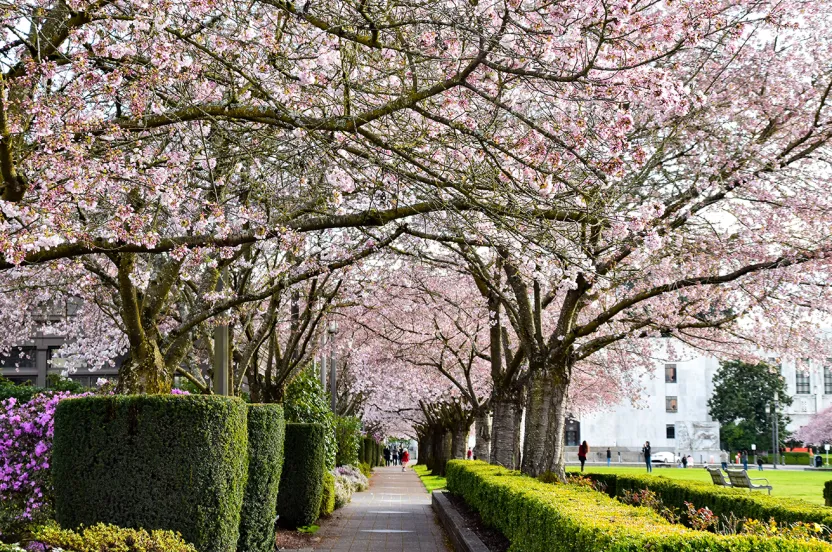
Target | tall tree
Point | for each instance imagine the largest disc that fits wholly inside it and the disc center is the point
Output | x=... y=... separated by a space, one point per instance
x=743 y=393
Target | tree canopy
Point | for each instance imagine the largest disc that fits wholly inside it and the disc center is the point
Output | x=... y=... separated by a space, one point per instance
x=743 y=393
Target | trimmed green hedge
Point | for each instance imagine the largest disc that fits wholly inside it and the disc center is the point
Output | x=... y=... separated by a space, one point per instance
x=153 y=461
x=539 y=517
x=301 y=485
x=791 y=458
x=348 y=437
x=720 y=500
x=328 y=496
x=266 y=433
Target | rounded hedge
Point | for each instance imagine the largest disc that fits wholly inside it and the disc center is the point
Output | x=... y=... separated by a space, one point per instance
x=301 y=485
x=266 y=434
x=169 y=462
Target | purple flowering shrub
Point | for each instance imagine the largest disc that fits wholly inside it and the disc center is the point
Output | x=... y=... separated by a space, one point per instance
x=26 y=431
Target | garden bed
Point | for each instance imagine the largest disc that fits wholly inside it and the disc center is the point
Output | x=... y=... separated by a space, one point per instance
x=541 y=517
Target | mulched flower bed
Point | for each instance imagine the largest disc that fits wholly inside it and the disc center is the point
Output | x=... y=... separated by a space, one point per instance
x=493 y=539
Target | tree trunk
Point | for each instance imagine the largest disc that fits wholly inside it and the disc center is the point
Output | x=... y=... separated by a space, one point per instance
x=545 y=423
x=482 y=426
x=441 y=451
x=144 y=372
x=505 y=432
x=459 y=440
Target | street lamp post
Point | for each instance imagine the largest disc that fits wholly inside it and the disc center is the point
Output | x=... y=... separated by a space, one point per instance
x=775 y=437
x=333 y=388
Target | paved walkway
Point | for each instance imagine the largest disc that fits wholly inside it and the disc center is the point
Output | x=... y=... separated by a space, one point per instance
x=394 y=515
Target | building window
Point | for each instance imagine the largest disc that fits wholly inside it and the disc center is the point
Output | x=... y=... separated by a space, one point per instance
x=802 y=383
x=670 y=373
x=827 y=379
x=19 y=357
x=671 y=431
x=671 y=404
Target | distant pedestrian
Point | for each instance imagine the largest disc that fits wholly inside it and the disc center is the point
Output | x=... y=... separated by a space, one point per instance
x=386 y=456
x=583 y=450
x=405 y=459
x=684 y=461
x=723 y=458
x=744 y=458
x=647 y=451
x=690 y=460
x=395 y=457
x=470 y=454
x=737 y=458
x=609 y=456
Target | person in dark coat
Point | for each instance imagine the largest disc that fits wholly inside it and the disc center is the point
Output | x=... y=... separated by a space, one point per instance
x=386 y=456
x=583 y=450
x=646 y=450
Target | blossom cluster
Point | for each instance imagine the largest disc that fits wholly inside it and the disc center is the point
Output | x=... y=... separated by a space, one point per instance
x=26 y=431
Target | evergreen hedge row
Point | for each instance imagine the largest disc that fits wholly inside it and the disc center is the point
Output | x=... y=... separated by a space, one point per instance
x=169 y=462
x=539 y=517
x=328 y=496
x=348 y=437
x=722 y=501
x=301 y=484
x=266 y=433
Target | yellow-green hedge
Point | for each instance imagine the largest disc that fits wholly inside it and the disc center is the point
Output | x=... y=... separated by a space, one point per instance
x=539 y=517
x=722 y=501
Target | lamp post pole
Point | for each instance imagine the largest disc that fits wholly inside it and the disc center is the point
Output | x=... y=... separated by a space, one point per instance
x=333 y=365
x=221 y=379
x=775 y=436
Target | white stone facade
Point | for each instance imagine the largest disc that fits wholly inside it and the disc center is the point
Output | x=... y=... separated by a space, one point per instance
x=625 y=427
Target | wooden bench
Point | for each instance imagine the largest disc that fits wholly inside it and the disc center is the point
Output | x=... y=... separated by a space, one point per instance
x=717 y=477
x=740 y=480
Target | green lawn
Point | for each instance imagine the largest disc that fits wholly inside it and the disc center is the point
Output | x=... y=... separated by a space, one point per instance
x=431 y=482
x=788 y=483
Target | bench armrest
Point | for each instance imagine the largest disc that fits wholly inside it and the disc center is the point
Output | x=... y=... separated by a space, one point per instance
x=761 y=479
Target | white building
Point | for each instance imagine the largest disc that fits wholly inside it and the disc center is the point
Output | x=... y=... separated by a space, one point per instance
x=672 y=412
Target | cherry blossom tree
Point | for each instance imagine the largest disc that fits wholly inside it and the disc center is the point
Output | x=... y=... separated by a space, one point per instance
x=819 y=429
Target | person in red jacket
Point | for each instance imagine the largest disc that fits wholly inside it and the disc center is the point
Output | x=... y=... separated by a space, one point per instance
x=405 y=459
x=583 y=450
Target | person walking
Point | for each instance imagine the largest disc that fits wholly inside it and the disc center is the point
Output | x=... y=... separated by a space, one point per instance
x=395 y=457
x=609 y=456
x=647 y=451
x=470 y=454
x=723 y=458
x=759 y=463
x=744 y=458
x=405 y=456
x=684 y=461
x=583 y=450
x=386 y=455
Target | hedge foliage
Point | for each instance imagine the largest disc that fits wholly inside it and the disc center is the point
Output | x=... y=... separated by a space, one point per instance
x=266 y=433
x=348 y=437
x=722 y=501
x=301 y=485
x=306 y=402
x=153 y=461
x=539 y=517
x=328 y=495
x=109 y=538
